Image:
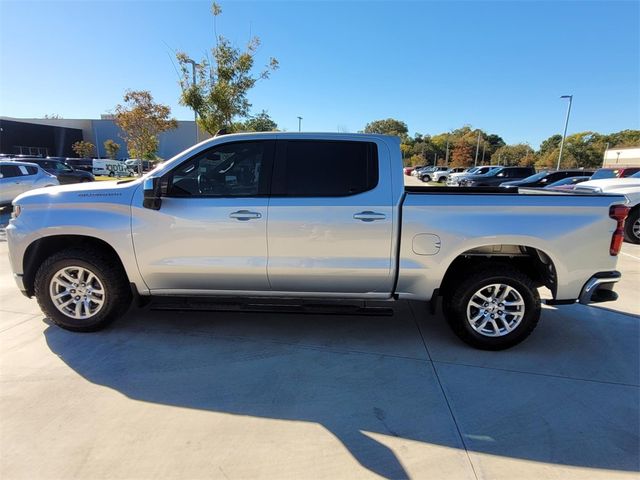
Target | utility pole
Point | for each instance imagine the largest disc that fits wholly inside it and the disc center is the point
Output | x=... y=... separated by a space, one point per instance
x=435 y=159
x=475 y=162
x=566 y=124
x=483 y=147
x=446 y=158
x=195 y=114
x=604 y=157
x=299 y=124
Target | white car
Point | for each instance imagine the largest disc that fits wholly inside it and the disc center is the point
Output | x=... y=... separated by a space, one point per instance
x=453 y=180
x=19 y=177
x=441 y=176
x=630 y=188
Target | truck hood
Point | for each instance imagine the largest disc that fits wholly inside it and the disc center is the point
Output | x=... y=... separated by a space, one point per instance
x=103 y=192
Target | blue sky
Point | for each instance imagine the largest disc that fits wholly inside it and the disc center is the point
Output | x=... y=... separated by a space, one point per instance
x=500 y=66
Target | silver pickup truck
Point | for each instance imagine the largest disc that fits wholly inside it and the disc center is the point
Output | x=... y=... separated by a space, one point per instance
x=307 y=216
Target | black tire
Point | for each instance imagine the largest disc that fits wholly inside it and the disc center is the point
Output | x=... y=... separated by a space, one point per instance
x=634 y=216
x=111 y=174
x=110 y=273
x=456 y=301
x=426 y=178
x=442 y=179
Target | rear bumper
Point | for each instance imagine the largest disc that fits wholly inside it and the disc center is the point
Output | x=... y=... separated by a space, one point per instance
x=599 y=288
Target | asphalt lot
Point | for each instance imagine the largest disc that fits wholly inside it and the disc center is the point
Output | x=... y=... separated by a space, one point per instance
x=291 y=396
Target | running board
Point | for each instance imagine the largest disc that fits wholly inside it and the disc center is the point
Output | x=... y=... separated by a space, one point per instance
x=263 y=305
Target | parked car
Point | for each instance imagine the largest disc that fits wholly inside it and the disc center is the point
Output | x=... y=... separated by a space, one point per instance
x=441 y=176
x=85 y=164
x=230 y=217
x=134 y=165
x=630 y=188
x=567 y=184
x=454 y=179
x=546 y=177
x=623 y=172
x=63 y=172
x=19 y=177
x=496 y=176
x=427 y=175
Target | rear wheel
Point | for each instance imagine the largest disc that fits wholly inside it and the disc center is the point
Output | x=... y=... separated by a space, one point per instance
x=426 y=178
x=442 y=179
x=632 y=226
x=494 y=308
x=81 y=290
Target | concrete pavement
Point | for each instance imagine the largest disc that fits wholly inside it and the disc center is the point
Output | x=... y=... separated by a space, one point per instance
x=253 y=395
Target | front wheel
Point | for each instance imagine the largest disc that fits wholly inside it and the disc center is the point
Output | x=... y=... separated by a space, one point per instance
x=494 y=308
x=426 y=178
x=632 y=226
x=81 y=290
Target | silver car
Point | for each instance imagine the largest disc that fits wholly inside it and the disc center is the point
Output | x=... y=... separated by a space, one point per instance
x=19 y=177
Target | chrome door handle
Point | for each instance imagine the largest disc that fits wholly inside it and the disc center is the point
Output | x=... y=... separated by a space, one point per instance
x=369 y=216
x=244 y=215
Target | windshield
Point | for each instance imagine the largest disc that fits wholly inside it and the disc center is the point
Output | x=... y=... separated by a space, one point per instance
x=485 y=170
x=569 y=181
x=605 y=173
x=536 y=177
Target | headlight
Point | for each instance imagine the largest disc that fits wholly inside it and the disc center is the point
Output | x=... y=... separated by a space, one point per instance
x=15 y=213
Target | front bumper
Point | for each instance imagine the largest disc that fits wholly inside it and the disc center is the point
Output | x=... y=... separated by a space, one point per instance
x=599 y=288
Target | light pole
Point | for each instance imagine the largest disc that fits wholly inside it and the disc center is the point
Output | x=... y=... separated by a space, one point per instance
x=299 y=124
x=193 y=72
x=566 y=124
x=475 y=162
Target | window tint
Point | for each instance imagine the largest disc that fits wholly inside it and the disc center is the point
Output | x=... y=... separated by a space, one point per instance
x=312 y=168
x=233 y=169
x=9 y=171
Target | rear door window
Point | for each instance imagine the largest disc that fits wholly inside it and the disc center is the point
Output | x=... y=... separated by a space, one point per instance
x=9 y=171
x=325 y=168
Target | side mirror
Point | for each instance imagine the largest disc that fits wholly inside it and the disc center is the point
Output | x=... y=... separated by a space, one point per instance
x=152 y=193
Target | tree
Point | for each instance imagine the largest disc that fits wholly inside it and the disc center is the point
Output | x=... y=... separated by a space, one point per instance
x=462 y=154
x=83 y=149
x=514 y=154
x=111 y=148
x=219 y=95
x=141 y=120
x=389 y=126
x=261 y=122
x=551 y=143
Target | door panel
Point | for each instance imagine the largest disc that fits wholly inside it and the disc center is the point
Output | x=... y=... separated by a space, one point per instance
x=196 y=244
x=210 y=232
x=316 y=245
x=333 y=243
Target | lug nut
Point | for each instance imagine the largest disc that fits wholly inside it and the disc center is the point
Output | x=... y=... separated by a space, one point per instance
x=73 y=290
x=78 y=298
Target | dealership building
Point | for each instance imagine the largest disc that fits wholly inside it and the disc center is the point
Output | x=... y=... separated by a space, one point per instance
x=54 y=136
x=622 y=157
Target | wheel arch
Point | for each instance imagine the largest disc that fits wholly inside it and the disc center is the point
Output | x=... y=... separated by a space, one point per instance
x=44 y=247
x=531 y=261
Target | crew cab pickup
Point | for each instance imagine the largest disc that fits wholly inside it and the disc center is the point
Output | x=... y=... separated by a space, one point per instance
x=306 y=216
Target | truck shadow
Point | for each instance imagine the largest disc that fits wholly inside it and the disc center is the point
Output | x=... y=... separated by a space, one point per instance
x=352 y=375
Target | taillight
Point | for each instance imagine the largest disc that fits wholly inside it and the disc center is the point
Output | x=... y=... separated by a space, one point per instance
x=618 y=213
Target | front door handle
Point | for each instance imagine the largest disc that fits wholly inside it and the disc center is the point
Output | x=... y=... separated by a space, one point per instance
x=244 y=215
x=369 y=216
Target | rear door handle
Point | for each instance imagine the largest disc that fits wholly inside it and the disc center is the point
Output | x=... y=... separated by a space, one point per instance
x=369 y=216
x=244 y=215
